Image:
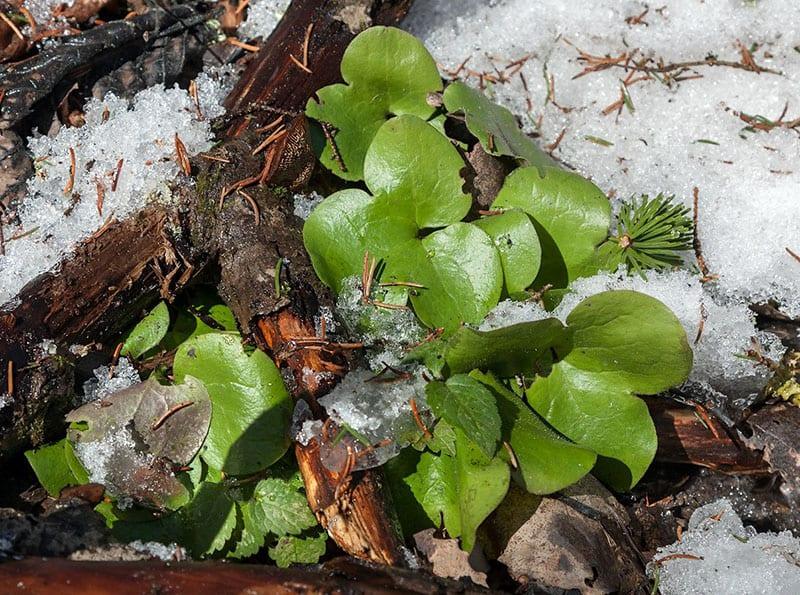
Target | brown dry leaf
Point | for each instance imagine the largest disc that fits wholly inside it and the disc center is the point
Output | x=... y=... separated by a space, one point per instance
x=574 y=541
x=448 y=560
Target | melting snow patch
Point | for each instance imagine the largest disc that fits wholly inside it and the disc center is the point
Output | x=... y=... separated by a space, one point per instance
x=107 y=381
x=385 y=332
x=305 y=203
x=377 y=410
x=262 y=17
x=718 y=555
x=158 y=550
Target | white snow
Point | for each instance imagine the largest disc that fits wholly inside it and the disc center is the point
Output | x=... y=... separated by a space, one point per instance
x=158 y=550
x=718 y=555
x=107 y=381
x=377 y=409
x=749 y=182
x=142 y=134
x=305 y=203
x=262 y=17
x=386 y=333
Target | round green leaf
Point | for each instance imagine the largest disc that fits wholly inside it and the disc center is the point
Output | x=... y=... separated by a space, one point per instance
x=493 y=125
x=386 y=71
x=520 y=253
x=461 y=274
x=147 y=333
x=458 y=266
x=571 y=216
x=623 y=343
x=251 y=409
x=413 y=162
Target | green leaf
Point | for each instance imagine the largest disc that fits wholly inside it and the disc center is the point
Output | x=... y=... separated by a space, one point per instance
x=386 y=72
x=547 y=461
x=148 y=333
x=251 y=407
x=49 y=463
x=251 y=538
x=493 y=125
x=299 y=550
x=524 y=349
x=429 y=180
x=458 y=267
x=75 y=466
x=571 y=216
x=444 y=439
x=463 y=489
x=467 y=405
x=623 y=343
x=278 y=507
x=520 y=253
x=208 y=521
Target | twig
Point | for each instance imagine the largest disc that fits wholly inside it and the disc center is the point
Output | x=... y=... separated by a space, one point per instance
x=554 y=145
x=196 y=98
x=701 y=326
x=329 y=131
x=793 y=254
x=170 y=412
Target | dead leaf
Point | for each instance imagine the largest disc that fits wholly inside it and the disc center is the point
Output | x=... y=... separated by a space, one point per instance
x=448 y=560
x=133 y=437
x=573 y=540
x=81 y=10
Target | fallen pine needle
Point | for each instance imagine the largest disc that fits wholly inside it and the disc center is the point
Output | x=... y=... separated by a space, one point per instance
x=299 y=64
x=240 y=44
x=72 y=168
x=13 y=27
x=170 y=412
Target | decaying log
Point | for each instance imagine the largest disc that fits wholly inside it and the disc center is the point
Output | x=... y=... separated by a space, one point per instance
x=37 y=576
x=251 y=239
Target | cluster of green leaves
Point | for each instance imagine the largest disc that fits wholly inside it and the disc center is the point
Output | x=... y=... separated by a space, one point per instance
x=208 y=470
x=546 y=223
x=543 y=403
x=413 y=216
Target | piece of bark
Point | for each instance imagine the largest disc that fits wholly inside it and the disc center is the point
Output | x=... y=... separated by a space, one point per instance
x=109 y=280
x=685 y=437
x=38 y=576
x=776 y=433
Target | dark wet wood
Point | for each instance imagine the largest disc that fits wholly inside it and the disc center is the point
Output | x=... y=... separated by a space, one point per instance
x=685 y=437
x=37 y=576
